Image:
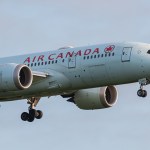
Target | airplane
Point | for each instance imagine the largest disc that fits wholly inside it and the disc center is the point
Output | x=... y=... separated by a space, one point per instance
x=87 y=76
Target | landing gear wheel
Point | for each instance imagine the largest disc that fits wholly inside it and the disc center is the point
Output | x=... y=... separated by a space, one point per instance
x=139 y=93
x=39 y=114
x=31 y=118
x=145 y=93
x=32 y=115
x=142 y=93
x=143 y=82
x=24 y=116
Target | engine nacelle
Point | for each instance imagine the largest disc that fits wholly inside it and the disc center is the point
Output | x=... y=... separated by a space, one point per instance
x=15 y=77
x=96 y=98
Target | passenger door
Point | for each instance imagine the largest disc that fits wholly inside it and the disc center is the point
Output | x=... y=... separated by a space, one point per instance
x=126 y=54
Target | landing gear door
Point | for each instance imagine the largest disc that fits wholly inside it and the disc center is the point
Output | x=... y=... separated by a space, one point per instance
x=72 y=62
x=126 y=54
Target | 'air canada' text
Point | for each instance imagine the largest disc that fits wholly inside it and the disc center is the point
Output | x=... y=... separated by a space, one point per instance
x=62 y=55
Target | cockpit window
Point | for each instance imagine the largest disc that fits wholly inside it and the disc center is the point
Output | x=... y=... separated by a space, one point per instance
x=148 y=52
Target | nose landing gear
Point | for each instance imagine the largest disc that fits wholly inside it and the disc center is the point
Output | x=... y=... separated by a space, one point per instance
x=33 y=113
x=141 y=92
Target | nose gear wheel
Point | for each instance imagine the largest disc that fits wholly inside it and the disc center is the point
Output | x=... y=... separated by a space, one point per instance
x=141 y=92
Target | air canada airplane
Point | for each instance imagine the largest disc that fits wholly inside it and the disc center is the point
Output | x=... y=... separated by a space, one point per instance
x=84 y=75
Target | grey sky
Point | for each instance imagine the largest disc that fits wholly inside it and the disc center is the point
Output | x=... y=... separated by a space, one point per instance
x=35 y=25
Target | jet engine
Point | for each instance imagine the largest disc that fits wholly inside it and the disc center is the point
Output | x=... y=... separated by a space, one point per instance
x=95 y=98
x=15 y=77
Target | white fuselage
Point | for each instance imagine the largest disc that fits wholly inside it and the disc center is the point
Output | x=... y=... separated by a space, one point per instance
x=72 y=69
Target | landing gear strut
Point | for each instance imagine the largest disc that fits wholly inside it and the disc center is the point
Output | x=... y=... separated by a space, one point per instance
x=141 y=92
x=33 y=113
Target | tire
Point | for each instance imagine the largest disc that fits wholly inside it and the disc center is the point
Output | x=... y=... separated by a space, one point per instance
x=32 y=115
x=24 y=116
x=140 y=93
x=31 y=118
x=39 y=114
x=144 y=93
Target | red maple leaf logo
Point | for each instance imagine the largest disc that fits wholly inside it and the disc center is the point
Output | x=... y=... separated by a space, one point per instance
x=109 y=48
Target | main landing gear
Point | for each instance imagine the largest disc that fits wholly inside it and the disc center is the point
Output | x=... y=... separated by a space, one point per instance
x=33 y=113
x=141 y=92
